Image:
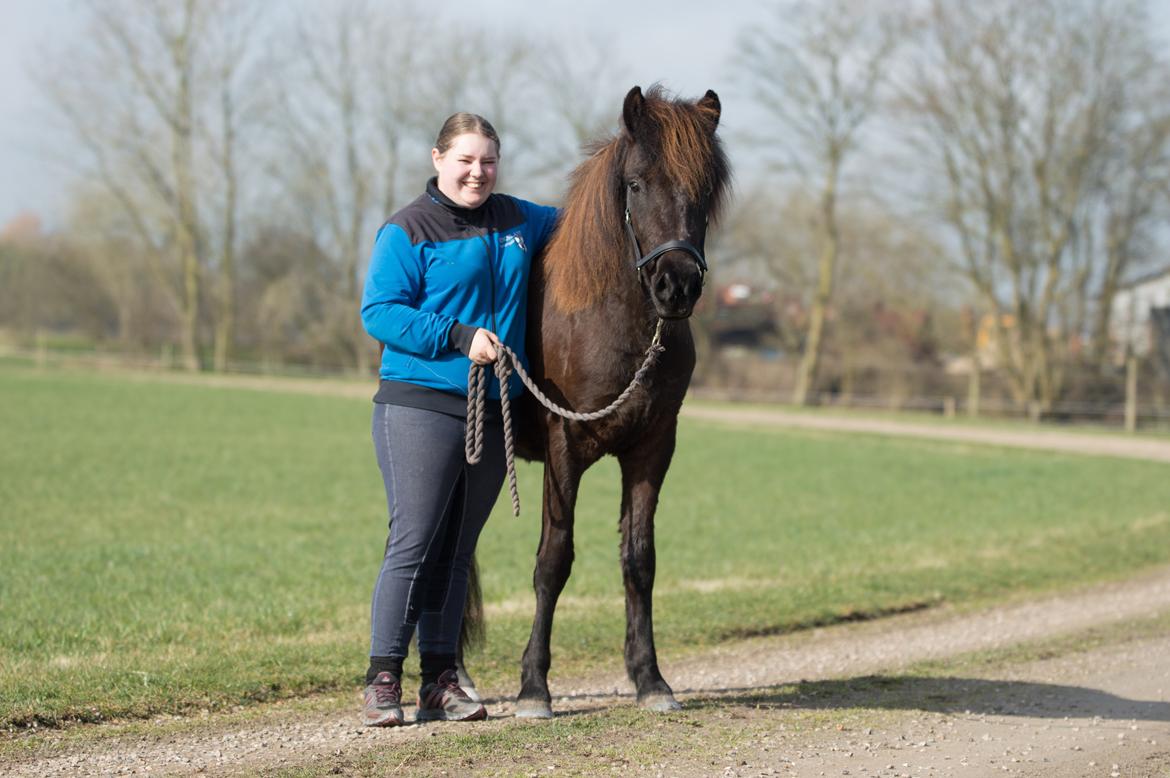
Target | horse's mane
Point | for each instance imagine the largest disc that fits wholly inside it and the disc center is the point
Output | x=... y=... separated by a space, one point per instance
x=588 y=253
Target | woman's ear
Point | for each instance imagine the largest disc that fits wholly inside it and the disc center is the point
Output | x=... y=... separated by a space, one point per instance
x=435 y=157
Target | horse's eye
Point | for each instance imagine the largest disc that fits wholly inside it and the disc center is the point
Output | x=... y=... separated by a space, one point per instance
x=634 y=186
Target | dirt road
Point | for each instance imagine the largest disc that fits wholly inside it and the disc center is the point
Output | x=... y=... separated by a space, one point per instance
x=1042 y=438
x=1093 y=700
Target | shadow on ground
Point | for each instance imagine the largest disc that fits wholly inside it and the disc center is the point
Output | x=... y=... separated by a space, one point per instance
x=940 y=695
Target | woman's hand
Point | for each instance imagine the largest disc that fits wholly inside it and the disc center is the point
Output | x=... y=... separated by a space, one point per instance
x=483 y=347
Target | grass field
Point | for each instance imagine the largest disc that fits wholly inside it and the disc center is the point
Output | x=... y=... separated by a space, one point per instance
x=178 y=547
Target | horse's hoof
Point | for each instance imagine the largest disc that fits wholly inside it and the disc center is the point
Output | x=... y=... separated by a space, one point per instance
x=533 y=709
x=466 y=684
x=660 y=703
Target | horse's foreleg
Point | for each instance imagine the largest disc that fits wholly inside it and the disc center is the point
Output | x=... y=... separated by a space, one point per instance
x=642 y=473
x=554 y=559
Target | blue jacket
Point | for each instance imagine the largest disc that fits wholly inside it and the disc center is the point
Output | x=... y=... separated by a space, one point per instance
x=438 y=272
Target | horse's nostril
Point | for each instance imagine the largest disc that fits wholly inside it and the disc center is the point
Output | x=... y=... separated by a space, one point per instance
x=695 y=287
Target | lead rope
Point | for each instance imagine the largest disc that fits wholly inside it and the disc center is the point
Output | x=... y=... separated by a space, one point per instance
x=505 y=364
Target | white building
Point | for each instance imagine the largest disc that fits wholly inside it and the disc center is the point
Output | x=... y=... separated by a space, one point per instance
x=1131 y=320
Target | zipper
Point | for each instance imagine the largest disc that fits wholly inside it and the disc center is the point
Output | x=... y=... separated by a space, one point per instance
x=491 y=277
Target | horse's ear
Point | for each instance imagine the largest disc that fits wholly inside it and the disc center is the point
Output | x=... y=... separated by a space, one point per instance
x=711 y=107
x=633 y=111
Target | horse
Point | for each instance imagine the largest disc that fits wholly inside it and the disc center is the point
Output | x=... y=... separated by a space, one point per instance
x=596 y=302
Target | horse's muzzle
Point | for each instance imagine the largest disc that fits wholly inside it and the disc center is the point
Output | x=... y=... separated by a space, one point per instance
x=675 y=286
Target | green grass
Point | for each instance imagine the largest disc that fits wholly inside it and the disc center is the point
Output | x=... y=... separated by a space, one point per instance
x=172 y=548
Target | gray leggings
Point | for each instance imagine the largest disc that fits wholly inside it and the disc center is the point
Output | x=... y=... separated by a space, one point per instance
x=438 y=505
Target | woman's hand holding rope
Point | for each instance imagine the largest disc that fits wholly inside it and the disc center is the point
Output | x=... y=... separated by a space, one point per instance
x=505 y=362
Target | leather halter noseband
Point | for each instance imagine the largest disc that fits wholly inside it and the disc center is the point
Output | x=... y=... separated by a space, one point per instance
x=673 y=245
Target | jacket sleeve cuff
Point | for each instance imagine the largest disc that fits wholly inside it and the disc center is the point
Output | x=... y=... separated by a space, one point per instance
x=460 y=337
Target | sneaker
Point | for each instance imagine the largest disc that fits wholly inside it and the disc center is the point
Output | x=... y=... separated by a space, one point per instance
x=383 y=702
x=445 y=700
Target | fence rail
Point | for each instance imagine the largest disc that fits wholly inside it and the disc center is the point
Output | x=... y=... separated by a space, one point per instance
x=769 y=387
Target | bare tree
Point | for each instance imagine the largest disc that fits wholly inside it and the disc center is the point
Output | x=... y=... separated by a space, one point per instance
x=1021 y=108
x=105 y=242
x=133 y=94
x=817 y=70
x=229 y=127
x=350 y=104
x=1135 y=199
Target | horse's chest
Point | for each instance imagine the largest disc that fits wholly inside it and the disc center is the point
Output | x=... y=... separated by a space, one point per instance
x=640 y=419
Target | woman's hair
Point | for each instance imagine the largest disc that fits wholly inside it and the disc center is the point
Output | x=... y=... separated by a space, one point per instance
x=459 y=123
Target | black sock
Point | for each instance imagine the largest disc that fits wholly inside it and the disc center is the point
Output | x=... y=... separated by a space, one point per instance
x=434 y=665
x=384 y=664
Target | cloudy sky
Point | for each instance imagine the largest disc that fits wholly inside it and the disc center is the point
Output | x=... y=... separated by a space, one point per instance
x=685 y=45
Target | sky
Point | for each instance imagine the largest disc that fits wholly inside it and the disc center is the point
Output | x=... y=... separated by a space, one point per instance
x=684 y=44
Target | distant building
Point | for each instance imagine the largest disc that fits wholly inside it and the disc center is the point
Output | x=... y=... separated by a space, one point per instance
x=1137 y=308
x=740 y=313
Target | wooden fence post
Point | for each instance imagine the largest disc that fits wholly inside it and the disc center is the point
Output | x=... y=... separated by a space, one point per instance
x=1131 y=374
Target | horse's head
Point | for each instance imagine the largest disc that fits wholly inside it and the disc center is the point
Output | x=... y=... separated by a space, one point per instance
x=673 y=176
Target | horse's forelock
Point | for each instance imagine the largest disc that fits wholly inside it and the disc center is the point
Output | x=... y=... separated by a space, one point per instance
x=689 y=152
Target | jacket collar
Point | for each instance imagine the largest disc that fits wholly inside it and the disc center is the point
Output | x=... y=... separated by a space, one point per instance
x=473 y=215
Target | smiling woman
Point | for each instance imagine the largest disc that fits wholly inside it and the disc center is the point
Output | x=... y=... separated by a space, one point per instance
x=448 y=282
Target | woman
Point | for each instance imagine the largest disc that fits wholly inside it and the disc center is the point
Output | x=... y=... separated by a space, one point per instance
x=447 y=282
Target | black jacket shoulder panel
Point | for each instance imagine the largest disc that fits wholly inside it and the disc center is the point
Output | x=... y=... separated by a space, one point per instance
x=426 y=219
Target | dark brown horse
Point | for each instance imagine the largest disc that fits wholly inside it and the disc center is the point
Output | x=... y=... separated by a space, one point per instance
x=647 y=193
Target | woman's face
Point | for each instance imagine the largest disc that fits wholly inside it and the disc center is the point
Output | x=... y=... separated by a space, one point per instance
x=467 y=170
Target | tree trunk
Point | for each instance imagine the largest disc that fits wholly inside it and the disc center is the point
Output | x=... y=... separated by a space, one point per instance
x=225 y=322
x=806 y=374
x=1131 y=393
x=186 y=226
x=973 y=386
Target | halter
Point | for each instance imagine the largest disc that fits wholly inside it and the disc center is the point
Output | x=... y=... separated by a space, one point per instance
x=673 y=245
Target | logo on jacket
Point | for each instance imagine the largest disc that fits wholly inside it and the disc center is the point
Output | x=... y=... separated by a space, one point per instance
x=513 y=239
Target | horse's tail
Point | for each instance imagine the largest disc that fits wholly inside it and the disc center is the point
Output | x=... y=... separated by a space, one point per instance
x=471 y=634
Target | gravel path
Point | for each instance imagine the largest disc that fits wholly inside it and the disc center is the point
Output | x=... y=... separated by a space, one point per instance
x=1039 y=438
x=1101 y=712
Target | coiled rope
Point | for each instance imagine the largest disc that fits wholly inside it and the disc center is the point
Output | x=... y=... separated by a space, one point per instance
x=507 y=363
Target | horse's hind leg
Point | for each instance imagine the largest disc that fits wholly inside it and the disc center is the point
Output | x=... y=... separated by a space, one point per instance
x=642 y=473
x=554 y=559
